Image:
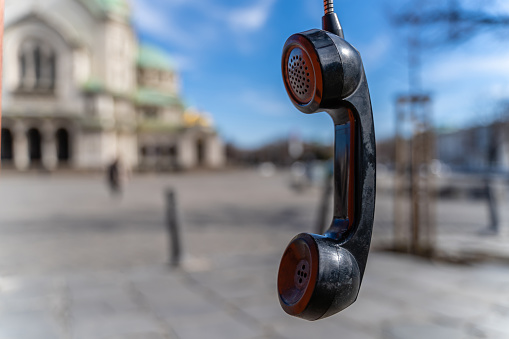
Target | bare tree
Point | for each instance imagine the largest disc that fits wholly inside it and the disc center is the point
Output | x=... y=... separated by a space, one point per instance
x=451 y=22
x=439 y=23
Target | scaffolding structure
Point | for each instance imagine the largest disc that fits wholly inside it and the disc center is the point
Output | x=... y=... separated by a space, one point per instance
x=429 y=24
x=414 y=193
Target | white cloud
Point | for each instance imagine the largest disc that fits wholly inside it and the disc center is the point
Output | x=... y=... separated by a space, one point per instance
x=155 y=21
x=265 y=102
x=183 y=62
x=468 y=67
x=498 y=91
x=251 y=18
x=169 y=21
x=496 y=7
x=373 y=53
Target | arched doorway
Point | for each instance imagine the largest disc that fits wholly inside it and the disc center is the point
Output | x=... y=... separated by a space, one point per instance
x=34 y=145
x=200 y=152
x=7 y=145
x=63 y=146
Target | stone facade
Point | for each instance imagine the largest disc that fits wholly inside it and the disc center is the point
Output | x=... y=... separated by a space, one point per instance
x=476 y=149
x=80 y=91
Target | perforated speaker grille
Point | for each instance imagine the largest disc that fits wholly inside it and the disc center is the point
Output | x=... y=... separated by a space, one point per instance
x=300 y=75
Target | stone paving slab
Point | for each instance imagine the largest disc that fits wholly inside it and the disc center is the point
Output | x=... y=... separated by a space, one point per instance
x=474 y=247
x=100 y=325
x=158 y=302
x=220 y=326
x=421 y=331
x=493 y=326
x=296 y=328
x=83 y=266
x=29 y=325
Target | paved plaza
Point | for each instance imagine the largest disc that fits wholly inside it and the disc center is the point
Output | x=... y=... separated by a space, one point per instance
x=77 y=263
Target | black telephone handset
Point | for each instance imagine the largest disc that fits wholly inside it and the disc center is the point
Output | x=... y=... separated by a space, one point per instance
x=320 y=275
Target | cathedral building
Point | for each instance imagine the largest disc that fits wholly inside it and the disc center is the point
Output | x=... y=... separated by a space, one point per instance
x=80 y=91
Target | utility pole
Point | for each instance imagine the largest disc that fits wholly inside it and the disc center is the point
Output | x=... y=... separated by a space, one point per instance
x=460 y=23
x=414 y=198
x=414 y=185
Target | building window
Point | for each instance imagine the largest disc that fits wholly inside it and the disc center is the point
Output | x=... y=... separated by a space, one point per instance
x=34 y=144
x=37 y=67
x=144 y=151
x=63 y=145
x=200 y=152
x=150 y=113
x=7 y=144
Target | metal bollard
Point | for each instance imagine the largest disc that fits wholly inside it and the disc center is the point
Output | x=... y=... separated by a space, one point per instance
x=491 y=199
x=174 y=248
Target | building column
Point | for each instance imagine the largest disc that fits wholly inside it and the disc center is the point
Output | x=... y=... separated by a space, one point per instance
x=187 y=155
x=20 y=146
x=49 y=146
x=215 y=153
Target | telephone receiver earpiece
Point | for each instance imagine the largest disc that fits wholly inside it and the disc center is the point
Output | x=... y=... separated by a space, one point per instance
x=320 y=275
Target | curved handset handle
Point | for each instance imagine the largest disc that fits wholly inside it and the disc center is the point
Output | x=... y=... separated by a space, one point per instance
x=354 y=184
x=320 y=275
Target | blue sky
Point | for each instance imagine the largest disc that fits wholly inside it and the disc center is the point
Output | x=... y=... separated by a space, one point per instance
x=228 y=54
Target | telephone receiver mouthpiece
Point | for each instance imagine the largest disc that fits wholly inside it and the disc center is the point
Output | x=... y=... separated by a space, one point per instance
x=320 y=275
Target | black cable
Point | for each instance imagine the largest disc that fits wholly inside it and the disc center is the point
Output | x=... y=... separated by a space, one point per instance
x=328 y=6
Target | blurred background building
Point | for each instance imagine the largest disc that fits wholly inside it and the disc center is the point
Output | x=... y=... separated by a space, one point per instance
x=80 y=91
x=475 y=148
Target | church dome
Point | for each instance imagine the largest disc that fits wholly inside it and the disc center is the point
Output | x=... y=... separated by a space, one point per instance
x=119 y=8
x=154 y=58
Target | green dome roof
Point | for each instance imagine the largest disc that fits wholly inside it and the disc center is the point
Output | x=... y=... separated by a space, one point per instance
x=152 y=97
x=119 y=8
x=153 y=57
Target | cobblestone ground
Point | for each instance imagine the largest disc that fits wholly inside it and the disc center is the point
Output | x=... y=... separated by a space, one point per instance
x=78 y=263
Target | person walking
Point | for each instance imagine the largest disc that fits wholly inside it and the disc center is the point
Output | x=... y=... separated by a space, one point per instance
x=113 y=176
